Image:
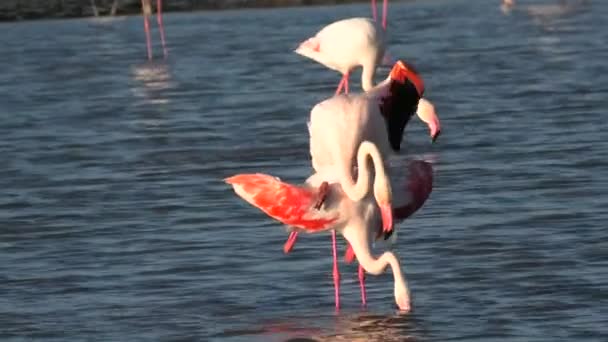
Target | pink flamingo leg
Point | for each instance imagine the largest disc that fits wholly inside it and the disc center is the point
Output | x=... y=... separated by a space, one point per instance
x=374 y=10
x=346 y=83
x=341 y=85
x=362 y=284
x=147 y=29
x=336 y=273
x=159 y=19
x=293 y=236
x=384 y=13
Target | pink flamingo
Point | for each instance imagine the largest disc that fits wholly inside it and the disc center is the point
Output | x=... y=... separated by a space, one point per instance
x=350 y=43
x=146 y=8
x=339 y=124
x=297 y=206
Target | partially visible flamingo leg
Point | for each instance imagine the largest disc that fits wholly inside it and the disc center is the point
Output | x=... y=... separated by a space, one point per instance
x=349 y=255
x=384 y=13
x=147 y=29
x=291 y=240
x=293 y=236
x=341 y=85
x=336 y=273
x=374 y=10
x=159 y=19
x=362 y=284
x=346 y=83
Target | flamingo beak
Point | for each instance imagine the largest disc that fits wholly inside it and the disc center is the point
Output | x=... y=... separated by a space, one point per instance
x=434 y=127
x=435 y=132
x=386 y=212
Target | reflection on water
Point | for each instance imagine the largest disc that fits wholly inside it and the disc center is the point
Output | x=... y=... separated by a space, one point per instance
x=115 y=224
x=153 y=79
x=356 y=327
x=546 y=14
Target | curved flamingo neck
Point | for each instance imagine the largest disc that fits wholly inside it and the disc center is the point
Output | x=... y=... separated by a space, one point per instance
x=357 y=191
x=367 y=76
x=358 y=237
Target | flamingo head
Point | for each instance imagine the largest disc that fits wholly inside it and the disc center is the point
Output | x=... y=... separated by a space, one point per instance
x=405 y=88
x=426 y=112
x=403 y=298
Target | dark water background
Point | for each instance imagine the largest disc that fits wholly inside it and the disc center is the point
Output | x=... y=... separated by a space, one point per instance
x=115 y=224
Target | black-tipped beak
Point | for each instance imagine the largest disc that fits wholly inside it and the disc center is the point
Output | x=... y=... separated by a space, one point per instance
x=434 y=138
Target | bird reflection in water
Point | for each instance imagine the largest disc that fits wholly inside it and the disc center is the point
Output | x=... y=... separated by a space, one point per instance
x=152 y=81
x=543 y=13
x=355 y=327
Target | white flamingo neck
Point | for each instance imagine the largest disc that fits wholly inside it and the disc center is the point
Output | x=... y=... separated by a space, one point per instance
x=357 y=191
x=358 y=235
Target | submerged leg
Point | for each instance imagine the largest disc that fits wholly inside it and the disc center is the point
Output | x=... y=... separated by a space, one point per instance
x=144 y=10
x=159 y=19
x=362 y=284
x=336 y=273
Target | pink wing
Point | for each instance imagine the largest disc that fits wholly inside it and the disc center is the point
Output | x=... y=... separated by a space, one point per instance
x=289 y=204
x=419 y=187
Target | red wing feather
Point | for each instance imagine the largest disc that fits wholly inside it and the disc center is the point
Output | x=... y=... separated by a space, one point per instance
x=289 y=204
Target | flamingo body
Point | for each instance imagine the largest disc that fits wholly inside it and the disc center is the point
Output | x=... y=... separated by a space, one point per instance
x=347 y=44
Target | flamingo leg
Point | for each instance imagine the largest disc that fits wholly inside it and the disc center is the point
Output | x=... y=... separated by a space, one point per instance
x=293 y=236
x=147 y=29
x=384 y=13
x=374 y=10
x=346 y=83
x=341 y=85
x=159 y=19
x=291 y=240
x=362 y=284
x=349 y=255
x=336 y=273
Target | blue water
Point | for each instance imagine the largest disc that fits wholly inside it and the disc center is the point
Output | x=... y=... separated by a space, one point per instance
x=115 y=224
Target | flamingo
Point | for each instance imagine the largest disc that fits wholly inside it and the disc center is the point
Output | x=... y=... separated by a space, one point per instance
x=146 y=9
x=339 y=127
x=339 y=124
x=297 y=206
x=346 y=44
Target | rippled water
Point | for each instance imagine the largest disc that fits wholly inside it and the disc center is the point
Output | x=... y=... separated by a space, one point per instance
x=115 y=224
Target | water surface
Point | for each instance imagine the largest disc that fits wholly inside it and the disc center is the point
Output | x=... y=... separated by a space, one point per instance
x=115 y=224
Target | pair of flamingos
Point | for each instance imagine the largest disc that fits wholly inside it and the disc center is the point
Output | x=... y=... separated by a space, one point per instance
x=347 y=130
